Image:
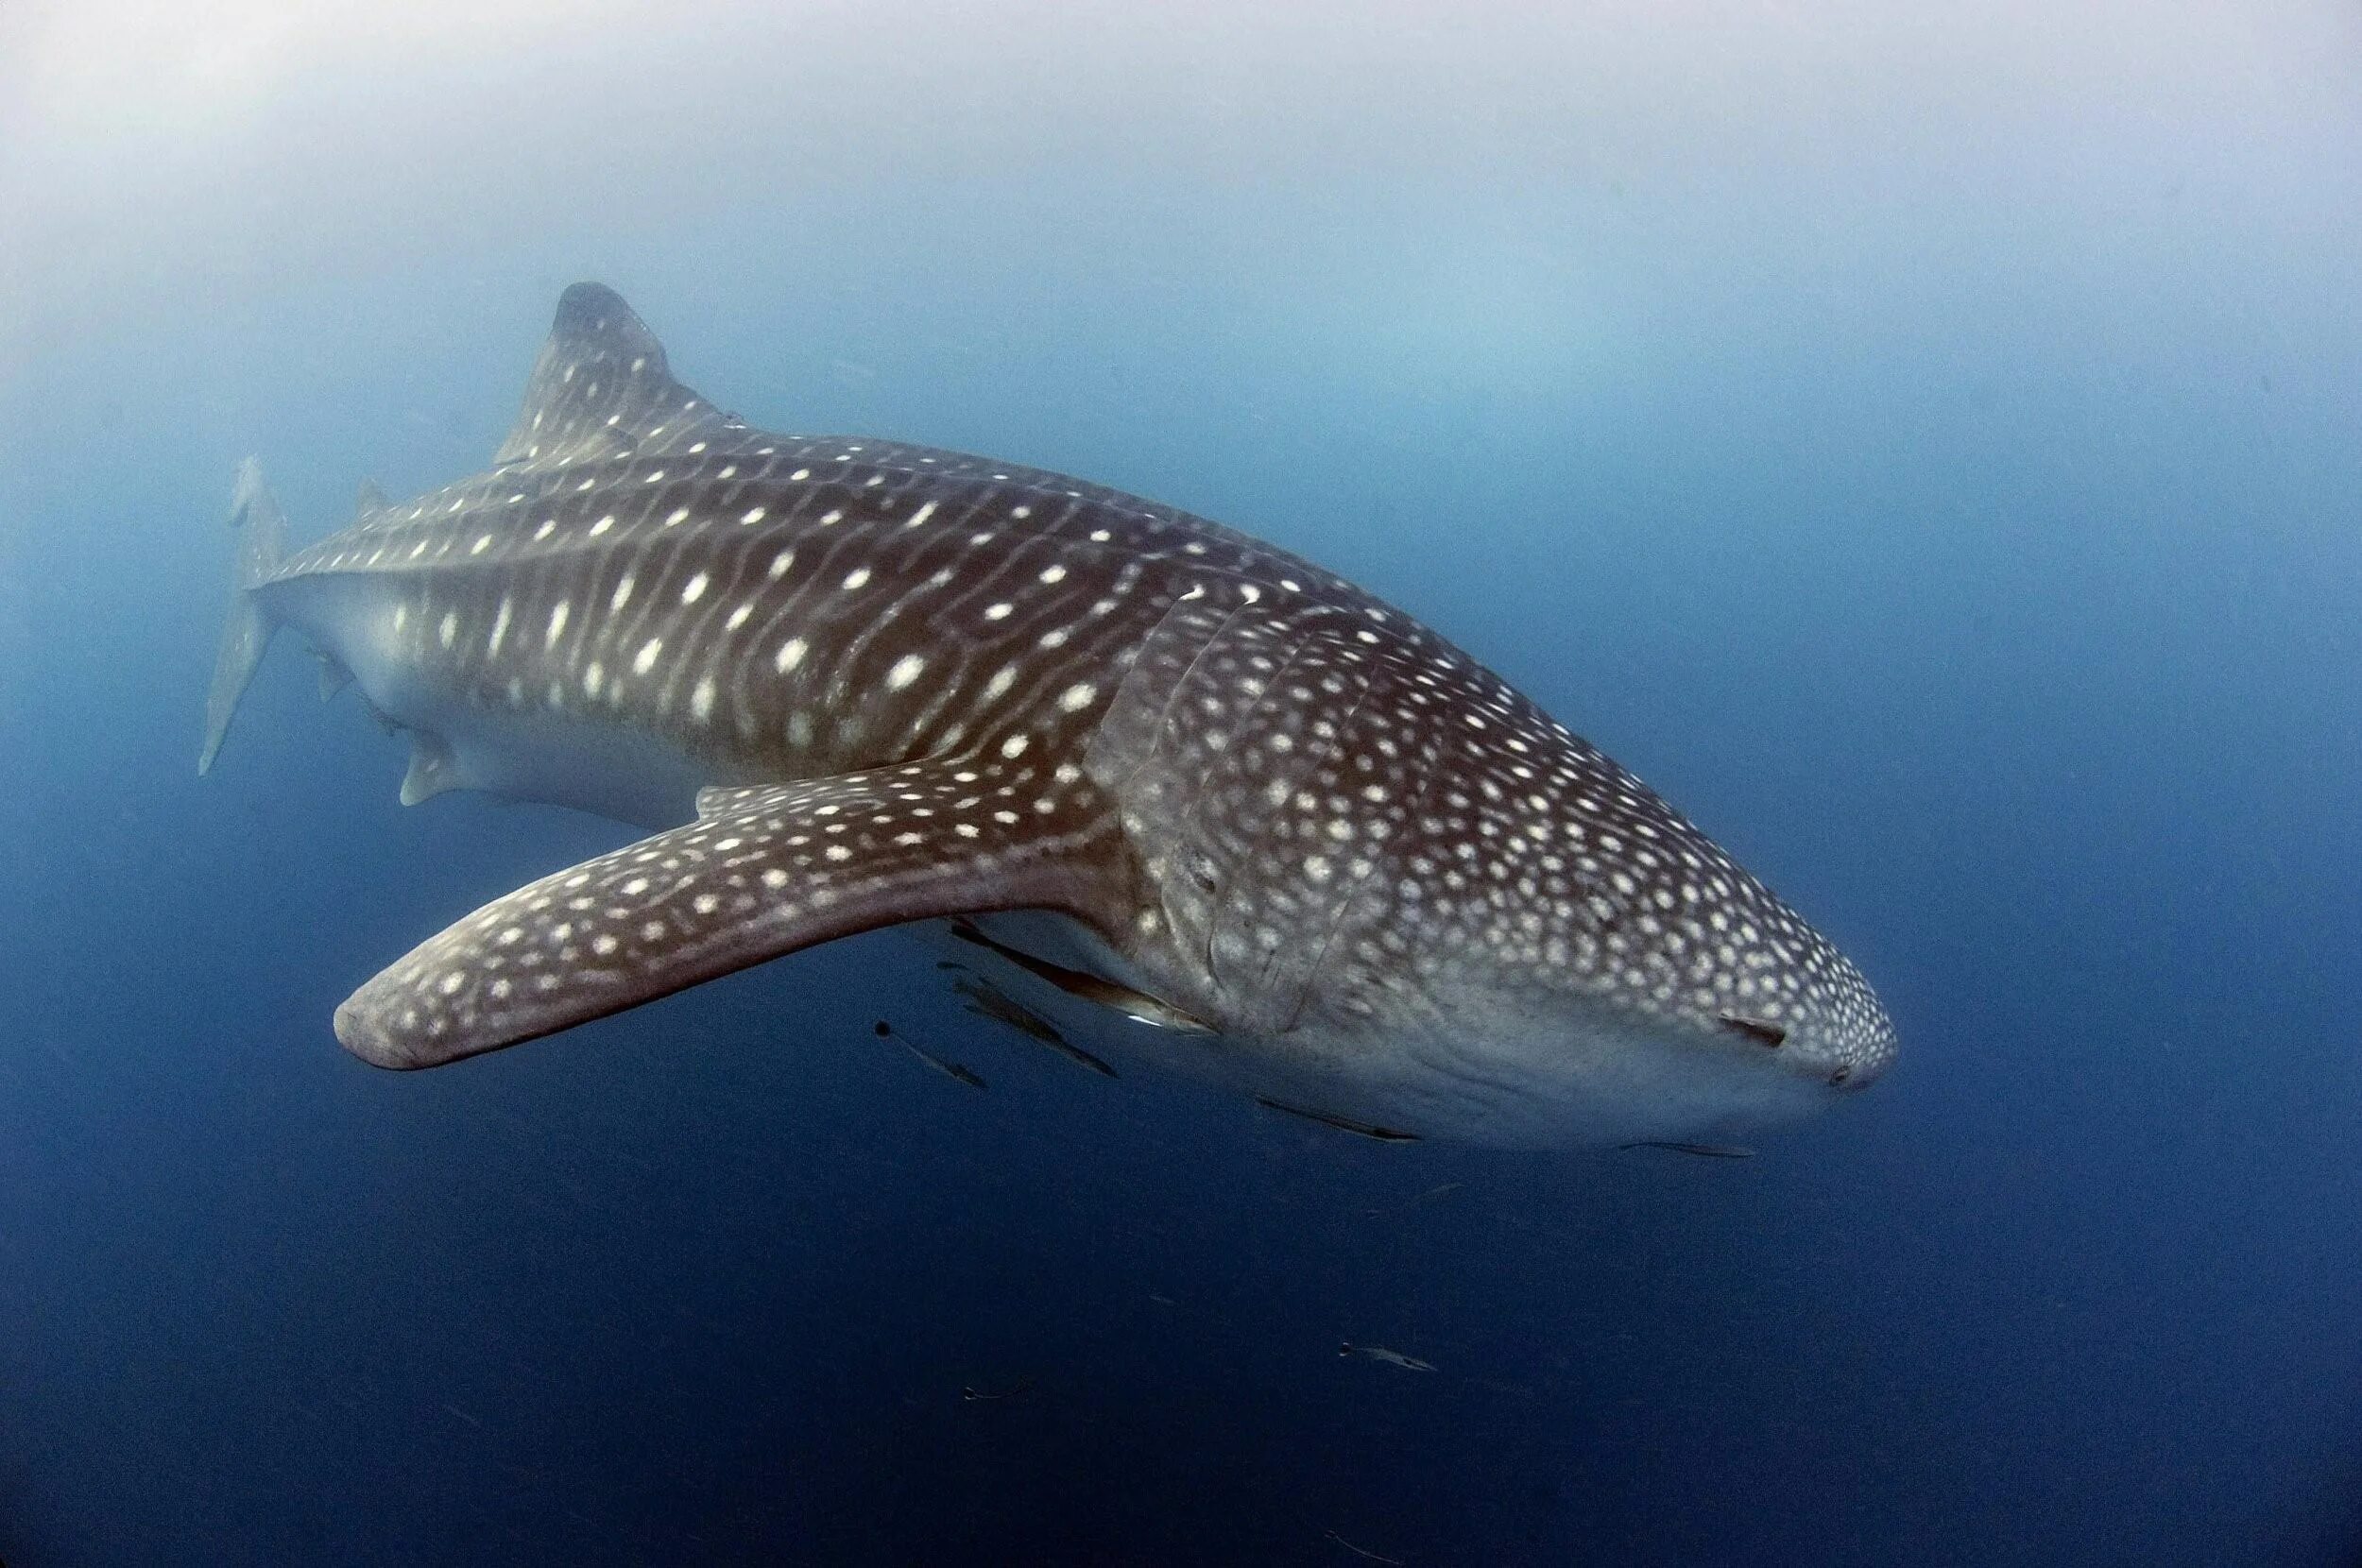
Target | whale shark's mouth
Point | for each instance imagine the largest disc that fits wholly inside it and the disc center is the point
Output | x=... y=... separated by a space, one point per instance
x=1621 y=1077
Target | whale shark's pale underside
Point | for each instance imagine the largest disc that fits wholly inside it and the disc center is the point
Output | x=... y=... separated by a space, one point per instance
x=854 y=683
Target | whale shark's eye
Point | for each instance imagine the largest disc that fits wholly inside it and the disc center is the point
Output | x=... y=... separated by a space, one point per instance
x=1771 y=1036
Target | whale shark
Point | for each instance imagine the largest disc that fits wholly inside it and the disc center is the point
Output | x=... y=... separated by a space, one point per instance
x=1280 y=828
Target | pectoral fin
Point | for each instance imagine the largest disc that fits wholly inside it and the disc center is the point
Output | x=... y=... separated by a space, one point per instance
x=762 y=871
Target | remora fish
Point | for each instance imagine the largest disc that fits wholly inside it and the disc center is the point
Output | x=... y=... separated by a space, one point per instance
x=1392 y=1357
x=943 y=1064
x=1362 y=1551
x=853 y=683
x=1343 y=1124
x=1090 y=988
x=987 y=1000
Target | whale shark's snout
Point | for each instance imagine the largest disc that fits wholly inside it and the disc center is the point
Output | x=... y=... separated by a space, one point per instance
x=1835 y=1031
x=1775 y=1025
x=1848 y=1037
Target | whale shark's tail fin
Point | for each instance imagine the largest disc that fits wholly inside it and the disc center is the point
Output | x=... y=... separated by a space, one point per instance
x=261 y=531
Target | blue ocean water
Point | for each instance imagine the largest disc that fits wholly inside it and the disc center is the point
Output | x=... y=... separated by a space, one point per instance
x=1927 y=456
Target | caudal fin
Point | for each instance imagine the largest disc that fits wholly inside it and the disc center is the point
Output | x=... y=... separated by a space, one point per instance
x=261 y=531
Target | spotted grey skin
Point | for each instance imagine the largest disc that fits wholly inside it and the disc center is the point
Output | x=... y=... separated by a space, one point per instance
x=854 y=683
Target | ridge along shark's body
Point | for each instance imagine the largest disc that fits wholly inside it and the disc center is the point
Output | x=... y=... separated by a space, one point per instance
x=859 y=683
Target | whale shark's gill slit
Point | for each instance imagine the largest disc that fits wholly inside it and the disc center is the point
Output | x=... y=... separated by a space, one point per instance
x=1173 y=698
x=1351 y=894
x=1422 y=796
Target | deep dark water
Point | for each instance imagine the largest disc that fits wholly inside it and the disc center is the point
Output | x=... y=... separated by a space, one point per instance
x=1983 y=573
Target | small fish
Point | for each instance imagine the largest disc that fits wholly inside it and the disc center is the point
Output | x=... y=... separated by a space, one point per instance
x=1343 y=1124
x=1434 y=1192
x=1095 y=989
x=987 y=1000
x=380 y=717
x=1392 y=1357
x=1704 y=1150
x=334 y=678
x=973 y=1394
x=1360 y=1551
x=947 y=1068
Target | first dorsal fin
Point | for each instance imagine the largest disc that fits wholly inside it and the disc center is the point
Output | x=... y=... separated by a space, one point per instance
x=370 y=500
x=602 y=389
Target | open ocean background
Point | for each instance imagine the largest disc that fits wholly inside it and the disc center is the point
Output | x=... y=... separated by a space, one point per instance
x=1924 y=442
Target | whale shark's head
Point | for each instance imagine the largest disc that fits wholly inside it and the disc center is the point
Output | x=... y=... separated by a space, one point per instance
x=1446 y=913
x=1762 y=1021
x=1636 y=981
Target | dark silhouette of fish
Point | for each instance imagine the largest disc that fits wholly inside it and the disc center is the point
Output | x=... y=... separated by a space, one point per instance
x=1392 y=1357
x=943 y=1064
x=1343 y=1124
x=987 y=1000
x=1362 y=1551
x=1091 y=988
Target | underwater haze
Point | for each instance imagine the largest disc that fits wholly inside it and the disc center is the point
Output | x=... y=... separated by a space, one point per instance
x=1923 y=443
